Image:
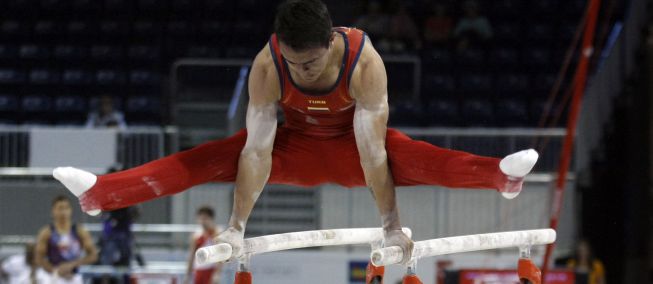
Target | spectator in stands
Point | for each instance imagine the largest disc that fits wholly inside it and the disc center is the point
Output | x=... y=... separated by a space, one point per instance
x=585 y=262
x=21 y=268
x=63 y=246
x=117 y=241
x=403 y=34
x=438 y=26
x=473 y=28
x=375 y=23
x=106 y=115
x=209 y=273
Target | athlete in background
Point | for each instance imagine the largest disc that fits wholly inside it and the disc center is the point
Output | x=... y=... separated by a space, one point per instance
x=63 y=246
x=208 y=273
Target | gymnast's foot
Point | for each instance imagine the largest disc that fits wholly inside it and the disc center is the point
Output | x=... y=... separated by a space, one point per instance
x=516 y=166
x=77 y=181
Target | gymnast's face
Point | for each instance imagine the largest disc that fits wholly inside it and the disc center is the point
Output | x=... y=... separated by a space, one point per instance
x=308 y=64
x=205 y=221
x=61 y=211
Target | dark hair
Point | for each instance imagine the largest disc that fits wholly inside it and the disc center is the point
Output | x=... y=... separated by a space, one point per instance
x=303 y=24
x=59 y=198
x=206 y=210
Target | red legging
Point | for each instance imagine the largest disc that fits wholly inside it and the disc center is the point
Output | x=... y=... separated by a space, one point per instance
x=298 y=160
x=203 y=276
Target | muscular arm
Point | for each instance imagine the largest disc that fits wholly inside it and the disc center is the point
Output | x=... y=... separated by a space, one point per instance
x=41 y=250
x=90 y=251
x=191 y=259
x=369 y=88
x=255 y=162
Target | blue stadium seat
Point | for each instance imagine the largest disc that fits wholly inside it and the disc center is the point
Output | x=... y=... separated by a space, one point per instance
x=567 y=30
x=183 y=5
x=246 y=33
x=215 y=29
x=538 y=107
x=34 y=52
x=85 y=6
x=74 y=104
x=114 y=28
x=574 y=8
x=511 y=84
x=77 y=77
x=203 y=51
x=110 y=77
x=8 y=103
x=21 y=5
x=12 y=76
x=512 y=112
x=508 y=32
x=107 y=52
x=151 y=7
x=471 y=58
x=474 y=83
x=220 y=8
x=54 y=6
x=504 y=8
x=536 y=57
x=81 y=29
x=180 y=29
x=8 y=52
x=67 y=52
x=94 y=103
x=443 y=112
x=406 y=113
x=437 y=60
x=540 y=32
x=8 y=122
x=143 y=110
x=240 y=52
x=146 y=29
x=44 y=77
x=144 y=78
x=544 y=82
x=14 y=29
x=501 y=58
x=117 y=5
x=47 y=29
x=438 y=84
x=36 y=103
x=144 y=53
x=542 y=9
x=478 y=112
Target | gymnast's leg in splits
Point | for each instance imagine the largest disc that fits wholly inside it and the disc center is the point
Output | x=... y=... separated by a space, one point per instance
x=301 y=161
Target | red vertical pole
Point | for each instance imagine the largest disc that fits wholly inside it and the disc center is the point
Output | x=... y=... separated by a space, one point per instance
x=580 y=80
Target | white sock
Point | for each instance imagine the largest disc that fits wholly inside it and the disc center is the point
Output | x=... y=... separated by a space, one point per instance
x=518 y=165
x=76 y=181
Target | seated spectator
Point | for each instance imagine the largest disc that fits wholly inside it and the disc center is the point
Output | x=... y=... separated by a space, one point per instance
x=473 y=28
x=106 y=115
x=404 y=34
x=438 y=26
x=585 y=262
x=374 y=22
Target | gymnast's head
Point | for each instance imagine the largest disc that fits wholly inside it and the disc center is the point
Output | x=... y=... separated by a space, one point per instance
x=304 y=30
x=205 y=217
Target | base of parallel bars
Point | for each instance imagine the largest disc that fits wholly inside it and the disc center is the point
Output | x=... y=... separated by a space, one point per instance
x=528 y=272
x=411 y=279
x=243 y=277
x=374 y=273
